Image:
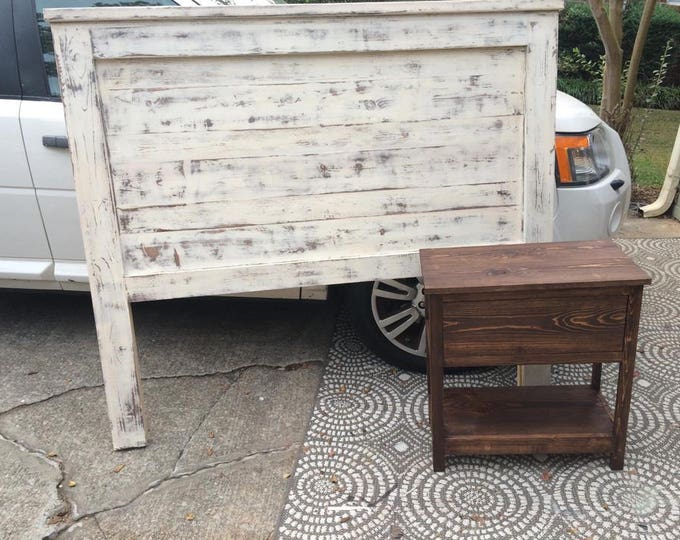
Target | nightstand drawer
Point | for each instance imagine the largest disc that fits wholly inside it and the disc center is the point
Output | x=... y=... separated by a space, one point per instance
x=525 y=326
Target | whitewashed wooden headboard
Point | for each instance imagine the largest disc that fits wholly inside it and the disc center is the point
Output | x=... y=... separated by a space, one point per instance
x=222 y=150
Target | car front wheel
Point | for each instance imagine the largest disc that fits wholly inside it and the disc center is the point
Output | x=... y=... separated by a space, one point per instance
x=389 y=316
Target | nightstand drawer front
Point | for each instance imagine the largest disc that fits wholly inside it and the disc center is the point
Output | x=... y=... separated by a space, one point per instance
x=526 y=326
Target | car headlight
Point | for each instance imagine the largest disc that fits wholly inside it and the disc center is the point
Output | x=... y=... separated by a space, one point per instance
x=581 y=159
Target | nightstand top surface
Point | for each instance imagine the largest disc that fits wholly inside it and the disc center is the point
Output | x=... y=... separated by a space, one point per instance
x=599 y=263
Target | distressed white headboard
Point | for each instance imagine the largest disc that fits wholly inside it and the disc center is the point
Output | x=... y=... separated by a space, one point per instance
x=221 y=150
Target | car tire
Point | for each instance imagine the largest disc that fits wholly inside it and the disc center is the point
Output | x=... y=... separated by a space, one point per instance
x=389 y=316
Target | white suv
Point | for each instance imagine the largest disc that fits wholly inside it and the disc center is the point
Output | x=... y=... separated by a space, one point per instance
x=41 y=247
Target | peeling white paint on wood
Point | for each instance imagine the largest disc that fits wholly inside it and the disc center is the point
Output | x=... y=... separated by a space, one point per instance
x=404 y=65
x=113 y=317
x=235 y=213
x=226 y=108
x=209 y=281
x=437 y=162
x=232 y=93
x=257 y=36
x=316 y=140
x=321 y=239
x=302 y=10
x=227 y=150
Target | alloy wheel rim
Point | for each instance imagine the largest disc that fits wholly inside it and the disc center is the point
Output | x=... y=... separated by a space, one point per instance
x=398 y=307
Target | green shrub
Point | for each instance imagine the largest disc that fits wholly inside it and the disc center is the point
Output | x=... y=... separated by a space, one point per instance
x=665 y=26
x=587 y=91
x=667 y=97
x=575 y=65
x=579 y=31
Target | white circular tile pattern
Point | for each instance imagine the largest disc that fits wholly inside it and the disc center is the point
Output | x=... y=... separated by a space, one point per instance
x=401 y=446
x=350 y=355
x=480 y=497
x=367 y=470
x=641 y=249
x=342 y=491
x=497 y=376
x=671 y=269
x=647 y=430
x=660 y=311
x=350 y=409
x=643 y=501
x=659 y=355
x=670 y=408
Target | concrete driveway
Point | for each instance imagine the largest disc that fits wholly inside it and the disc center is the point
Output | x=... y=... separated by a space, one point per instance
x=214 y=368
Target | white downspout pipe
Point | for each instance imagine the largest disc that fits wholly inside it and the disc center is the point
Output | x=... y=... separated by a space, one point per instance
x=670 y=184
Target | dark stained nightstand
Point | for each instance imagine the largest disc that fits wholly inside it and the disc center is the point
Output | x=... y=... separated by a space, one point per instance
x=552 y=303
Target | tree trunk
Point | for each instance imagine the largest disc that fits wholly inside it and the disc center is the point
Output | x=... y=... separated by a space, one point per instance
x=611 y=88
x=615 y=17
x=636 y=56
x=615 y=109
x=610 y=30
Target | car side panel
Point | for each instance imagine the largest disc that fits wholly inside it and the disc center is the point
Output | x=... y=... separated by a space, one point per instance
x=15 y=172
x=60 y=214
x=23 y=235
x=50 y=166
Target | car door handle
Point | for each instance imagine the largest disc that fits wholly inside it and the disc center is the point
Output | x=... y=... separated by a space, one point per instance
x=55 y=141
x=617 y=184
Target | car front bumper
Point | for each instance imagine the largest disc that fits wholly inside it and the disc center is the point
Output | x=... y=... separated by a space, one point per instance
x=595 y=211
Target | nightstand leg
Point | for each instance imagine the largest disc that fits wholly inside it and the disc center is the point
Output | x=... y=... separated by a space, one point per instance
x=623 y=392
x=435 y=379
x=596 y=377
x=435 y=383
x=437 y=421
x=625 y=385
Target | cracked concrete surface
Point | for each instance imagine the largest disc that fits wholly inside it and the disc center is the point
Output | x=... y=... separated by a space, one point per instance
x=176 y=337
x=224 y=436
x=75 y=427
x=28 y=482
x=214 y=369
x=85 y=528
x=201 y=505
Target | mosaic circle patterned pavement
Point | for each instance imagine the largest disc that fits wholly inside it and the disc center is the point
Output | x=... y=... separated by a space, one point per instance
x=641 y=501
x=355 y=410
x=366 y=468
x=481 y=496
x=341 y=491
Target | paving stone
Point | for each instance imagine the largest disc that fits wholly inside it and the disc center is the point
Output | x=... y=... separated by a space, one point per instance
x=28 y=493
x=635 y=226
x=76 y=427
x=265 y=409
x=239 y=500
x=367 y=470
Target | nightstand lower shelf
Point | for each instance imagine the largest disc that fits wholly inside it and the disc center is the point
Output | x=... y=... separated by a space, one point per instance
x=526 y=420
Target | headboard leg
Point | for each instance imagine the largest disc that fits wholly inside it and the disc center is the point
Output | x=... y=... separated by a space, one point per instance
x=120 y=367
